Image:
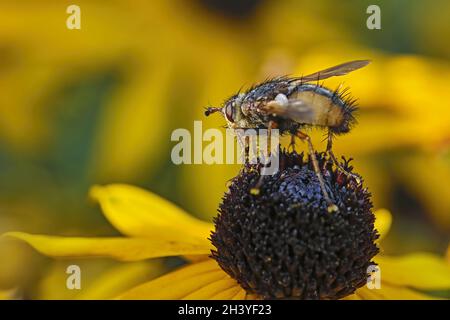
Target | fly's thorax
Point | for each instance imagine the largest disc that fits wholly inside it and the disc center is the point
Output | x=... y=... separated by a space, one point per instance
x=250 y=114
x=248 y=107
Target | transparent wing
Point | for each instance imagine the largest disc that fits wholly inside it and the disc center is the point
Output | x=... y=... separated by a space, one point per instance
x=338 y=70
x=297 y=110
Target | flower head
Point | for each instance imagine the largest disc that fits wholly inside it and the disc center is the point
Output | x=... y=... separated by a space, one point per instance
x=284 y=243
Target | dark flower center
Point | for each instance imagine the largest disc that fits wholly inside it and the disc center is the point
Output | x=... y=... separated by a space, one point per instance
x=284 y=244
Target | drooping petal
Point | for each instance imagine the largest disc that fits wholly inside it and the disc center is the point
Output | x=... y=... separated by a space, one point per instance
x=390 y=292
x=383 y=221
x=124 y=249
x=179 y=283
x=419 y=270
x=139 y=213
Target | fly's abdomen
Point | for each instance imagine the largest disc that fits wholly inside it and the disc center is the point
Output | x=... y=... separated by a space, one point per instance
x=329 y=108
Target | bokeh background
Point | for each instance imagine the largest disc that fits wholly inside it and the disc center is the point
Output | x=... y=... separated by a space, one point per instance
x=98 y=105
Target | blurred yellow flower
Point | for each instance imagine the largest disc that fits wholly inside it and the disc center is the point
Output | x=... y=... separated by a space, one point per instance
x=156 y=228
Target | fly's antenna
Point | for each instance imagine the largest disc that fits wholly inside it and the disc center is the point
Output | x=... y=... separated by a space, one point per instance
x=210 y=110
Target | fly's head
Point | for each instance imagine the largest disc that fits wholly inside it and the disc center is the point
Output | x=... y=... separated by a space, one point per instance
x=231 y=110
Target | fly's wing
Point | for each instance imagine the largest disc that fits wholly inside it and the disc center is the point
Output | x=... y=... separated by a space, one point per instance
x=298 y=110
x=338 y=70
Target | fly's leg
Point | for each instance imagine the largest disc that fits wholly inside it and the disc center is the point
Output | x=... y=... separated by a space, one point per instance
x=256 y=189
x=244 y=146
x=304 y=137
x=291 y=147
x=335 y=161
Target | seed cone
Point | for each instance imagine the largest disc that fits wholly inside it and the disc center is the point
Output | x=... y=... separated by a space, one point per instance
x=284 y=244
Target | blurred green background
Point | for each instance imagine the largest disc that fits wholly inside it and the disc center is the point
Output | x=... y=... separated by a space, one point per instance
x=98 y=105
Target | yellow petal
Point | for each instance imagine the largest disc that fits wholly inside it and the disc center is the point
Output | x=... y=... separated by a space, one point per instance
x=228 y=294
x=196 y=258
x=240 y=295
x=139 y=213
x=354 y=296
x=383 y=221
x=212 y=289
x=125 y=249
x=251 y=296
x=419 y=270
x=121 y=278
x=365 y=293
x=390 y=292
x=100 y=278
x=179 y=283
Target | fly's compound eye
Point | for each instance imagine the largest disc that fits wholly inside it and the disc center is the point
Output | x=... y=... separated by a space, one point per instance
x=229 y=112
